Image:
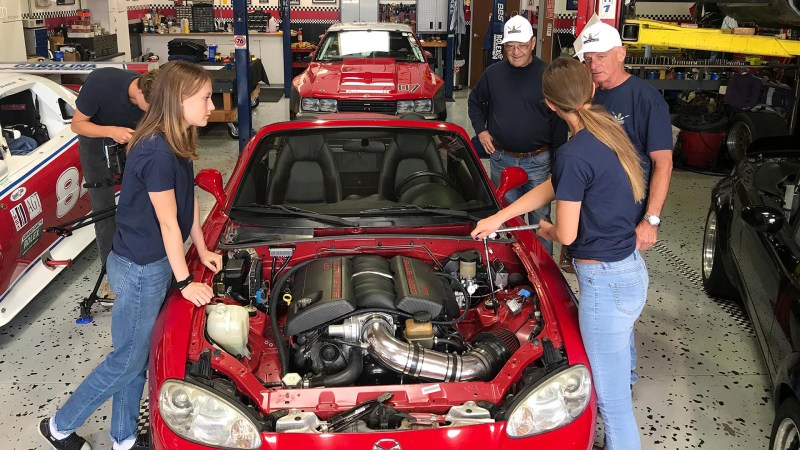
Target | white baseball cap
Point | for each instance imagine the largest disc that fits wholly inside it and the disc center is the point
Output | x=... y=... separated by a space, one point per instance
x=597 y=37
x=517 y=29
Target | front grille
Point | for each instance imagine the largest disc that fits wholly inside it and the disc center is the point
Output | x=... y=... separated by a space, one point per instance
x=375 y=106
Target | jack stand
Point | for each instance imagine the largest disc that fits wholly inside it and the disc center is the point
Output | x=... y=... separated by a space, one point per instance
x=87 y=303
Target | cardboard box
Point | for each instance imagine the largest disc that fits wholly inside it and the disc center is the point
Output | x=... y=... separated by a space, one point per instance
x=744 y=31
x=55 y=42
x=71 y=56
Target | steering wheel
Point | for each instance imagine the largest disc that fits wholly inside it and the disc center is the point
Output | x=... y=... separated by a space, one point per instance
x=423 y=173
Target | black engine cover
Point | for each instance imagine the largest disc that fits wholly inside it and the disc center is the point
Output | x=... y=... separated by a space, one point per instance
x=417 y=286
x=323 y=290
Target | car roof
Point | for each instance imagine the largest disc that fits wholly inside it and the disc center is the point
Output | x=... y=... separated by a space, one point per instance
x=375 y=26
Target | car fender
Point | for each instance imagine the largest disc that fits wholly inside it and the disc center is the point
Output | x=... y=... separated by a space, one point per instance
x=722 y=203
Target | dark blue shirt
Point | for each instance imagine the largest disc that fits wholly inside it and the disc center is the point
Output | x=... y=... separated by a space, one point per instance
x=104 y=98
x=587 y=171
x=643 y=113
x=508 y=101
x=151 y=167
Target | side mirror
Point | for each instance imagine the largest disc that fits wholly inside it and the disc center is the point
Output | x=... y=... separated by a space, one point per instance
x=763 y=218
x=210 y=180
x=510 y=178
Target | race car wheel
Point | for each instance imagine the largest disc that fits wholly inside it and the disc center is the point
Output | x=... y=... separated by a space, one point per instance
x=422 y=173
x=714 y=279
x=785 y=435
x=746 y=127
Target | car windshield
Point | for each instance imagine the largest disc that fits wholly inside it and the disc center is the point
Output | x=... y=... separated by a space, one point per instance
x=370 y=44
x=334 y=178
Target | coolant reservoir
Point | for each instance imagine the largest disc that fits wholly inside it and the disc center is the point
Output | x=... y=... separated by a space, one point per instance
x=419 y=330
x=228 y=326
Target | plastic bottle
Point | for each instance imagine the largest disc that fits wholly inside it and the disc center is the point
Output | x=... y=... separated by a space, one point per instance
x=185 y=26
x=300 y=35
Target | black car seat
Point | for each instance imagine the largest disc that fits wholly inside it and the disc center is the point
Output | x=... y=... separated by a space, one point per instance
x=406 y=155
x=305 y=172
x=19 y=111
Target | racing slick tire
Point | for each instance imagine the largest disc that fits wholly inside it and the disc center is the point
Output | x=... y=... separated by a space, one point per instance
x=785 y=434
x=715 y=281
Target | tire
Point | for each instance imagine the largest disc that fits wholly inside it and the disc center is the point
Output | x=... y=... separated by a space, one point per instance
x=254 y=102
x=233 y=130
x=746 y=127
x=715 y=281
x=706 y=122
x=785 y=432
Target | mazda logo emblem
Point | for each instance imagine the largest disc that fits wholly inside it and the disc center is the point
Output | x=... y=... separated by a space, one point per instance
x=386 y=444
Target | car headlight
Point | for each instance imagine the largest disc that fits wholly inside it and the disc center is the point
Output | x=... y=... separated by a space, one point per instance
x=555 y=402
x=318 y=104
x=203 y=417
x=309 y=104
x=420 y=106
x=327 y=105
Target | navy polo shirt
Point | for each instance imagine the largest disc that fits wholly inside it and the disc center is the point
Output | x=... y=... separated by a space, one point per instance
x=151 y=167
x=643 y=113
x=587 y=171
x=104 y=98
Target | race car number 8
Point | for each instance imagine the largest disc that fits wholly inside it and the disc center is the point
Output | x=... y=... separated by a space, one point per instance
x=67 y=188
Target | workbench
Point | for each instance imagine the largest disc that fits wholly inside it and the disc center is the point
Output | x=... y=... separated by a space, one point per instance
x=223 y=92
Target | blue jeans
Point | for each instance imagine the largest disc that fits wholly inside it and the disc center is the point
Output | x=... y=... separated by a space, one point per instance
x=140 y=292
x=538 y=169
x=612 y=296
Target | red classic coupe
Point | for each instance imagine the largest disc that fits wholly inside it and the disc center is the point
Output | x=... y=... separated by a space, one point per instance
x=368 y=67
x=355 y=311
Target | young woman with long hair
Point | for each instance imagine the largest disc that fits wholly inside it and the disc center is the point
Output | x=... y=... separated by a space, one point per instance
x=157 y=211
x=599 y=187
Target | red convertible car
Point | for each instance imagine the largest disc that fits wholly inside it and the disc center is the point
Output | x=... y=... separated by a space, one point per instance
x=368 y=67
x=354 y=310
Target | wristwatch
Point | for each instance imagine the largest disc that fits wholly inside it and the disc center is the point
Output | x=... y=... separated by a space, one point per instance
x=652 y=219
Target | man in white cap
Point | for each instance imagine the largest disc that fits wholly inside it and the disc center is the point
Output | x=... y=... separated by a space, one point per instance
x=639 y=108
x=508 y=113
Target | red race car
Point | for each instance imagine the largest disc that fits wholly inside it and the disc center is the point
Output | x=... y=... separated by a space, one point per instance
x=354 y=310
x=368 y=67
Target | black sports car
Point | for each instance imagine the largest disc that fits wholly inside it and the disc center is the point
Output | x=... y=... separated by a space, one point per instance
x=751 y=251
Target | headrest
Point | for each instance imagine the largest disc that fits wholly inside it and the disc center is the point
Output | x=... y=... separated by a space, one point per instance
x=305 y=148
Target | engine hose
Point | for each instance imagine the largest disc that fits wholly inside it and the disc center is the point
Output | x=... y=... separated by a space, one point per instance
x=489 y=353
x=346 y=376
x=280 y=341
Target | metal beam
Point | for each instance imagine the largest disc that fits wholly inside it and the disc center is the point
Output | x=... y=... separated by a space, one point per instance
x=287 y=47
x=241 y=44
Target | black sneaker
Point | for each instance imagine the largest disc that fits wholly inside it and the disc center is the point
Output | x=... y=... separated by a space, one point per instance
x=71 y=442
x=142 y=442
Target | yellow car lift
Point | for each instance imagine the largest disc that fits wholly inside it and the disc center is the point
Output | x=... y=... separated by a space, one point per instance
x=652 y=32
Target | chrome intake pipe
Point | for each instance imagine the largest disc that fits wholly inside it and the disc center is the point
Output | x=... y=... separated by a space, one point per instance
x=489 y=353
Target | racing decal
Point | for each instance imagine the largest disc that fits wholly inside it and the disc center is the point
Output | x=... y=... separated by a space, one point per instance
x=31 y=237
x=18 y=193
x=408 y=87
x=20 y=216
x=34 y=205
x=432 y=389
x=67 y=190
x=365 y=91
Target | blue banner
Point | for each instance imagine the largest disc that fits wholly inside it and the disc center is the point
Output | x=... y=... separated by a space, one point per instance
x=498 y=20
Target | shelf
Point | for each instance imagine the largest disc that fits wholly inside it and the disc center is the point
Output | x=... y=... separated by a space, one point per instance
x=299 y=65
x=684 y=85
x=303 y=50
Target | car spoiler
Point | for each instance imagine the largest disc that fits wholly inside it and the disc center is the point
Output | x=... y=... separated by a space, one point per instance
x=71 y=67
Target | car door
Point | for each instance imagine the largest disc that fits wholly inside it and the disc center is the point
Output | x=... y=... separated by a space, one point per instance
x=764 y=261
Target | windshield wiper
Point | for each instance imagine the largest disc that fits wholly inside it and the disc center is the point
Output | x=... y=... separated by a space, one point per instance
x=427 y=209
x=293 y=211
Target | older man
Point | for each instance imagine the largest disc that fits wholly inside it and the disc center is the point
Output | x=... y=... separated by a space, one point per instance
x=640 y=109
x=509 y=116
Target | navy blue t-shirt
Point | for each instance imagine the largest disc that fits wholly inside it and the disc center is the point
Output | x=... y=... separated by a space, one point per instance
x=151 y=167
x=104 y=98
x=643 y=113
x=587 y=171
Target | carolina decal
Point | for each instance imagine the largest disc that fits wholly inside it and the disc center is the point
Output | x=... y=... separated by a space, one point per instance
x=20 y=216
x=67 y=191
x=34 y=205
x=18 y=193
x=408 y=87
x=31 y=237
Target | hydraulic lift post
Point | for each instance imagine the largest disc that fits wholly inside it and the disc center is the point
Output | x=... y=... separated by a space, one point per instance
x=241 y=43
x=287 y=47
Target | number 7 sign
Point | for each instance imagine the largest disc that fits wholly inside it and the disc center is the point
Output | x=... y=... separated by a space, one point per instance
x=607 y=10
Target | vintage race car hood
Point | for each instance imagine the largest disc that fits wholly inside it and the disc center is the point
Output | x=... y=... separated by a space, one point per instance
x=357 y=77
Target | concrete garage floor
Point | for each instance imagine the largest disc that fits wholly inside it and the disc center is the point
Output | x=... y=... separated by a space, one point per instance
x=703 y=383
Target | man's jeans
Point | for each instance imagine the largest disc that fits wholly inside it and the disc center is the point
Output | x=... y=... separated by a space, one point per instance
x=612 y=296
x=140 y=292
x=95 y=170
x=538 y=169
